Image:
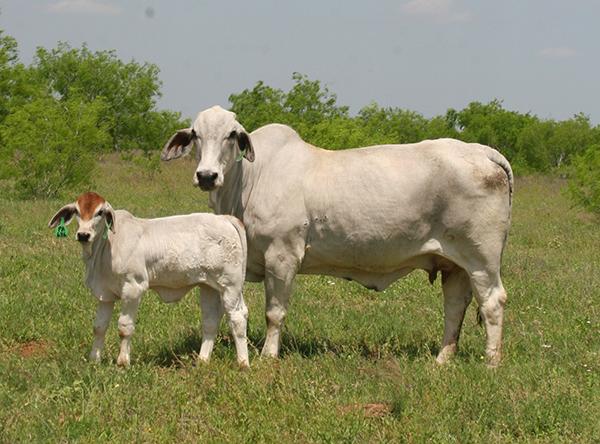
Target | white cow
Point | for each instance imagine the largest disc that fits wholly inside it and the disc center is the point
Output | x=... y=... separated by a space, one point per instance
x=369 y=214
x=124 y=256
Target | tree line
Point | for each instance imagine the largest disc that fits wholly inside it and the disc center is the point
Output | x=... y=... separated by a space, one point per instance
x=59 y=113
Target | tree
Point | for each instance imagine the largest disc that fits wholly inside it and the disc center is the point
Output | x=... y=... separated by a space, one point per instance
x=391 y=125
x=258 y=106
x=584 y=184
x=52 y=145
x=310 y=102
x=532 y=149
x=570 y=138
x=8 y=60
x=303 y=107
x=129 y=90
x=490 y=124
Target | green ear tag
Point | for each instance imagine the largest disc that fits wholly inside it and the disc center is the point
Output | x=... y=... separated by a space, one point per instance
x=105 y=235
x=240 y=156
x=61 y=230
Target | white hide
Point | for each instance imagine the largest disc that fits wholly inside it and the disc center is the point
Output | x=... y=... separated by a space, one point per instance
x=170 y=255
x=370 y=214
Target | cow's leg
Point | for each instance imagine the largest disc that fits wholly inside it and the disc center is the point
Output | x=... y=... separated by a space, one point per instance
x=103 y=314
x=491 y=296
x=212 y=312
x=237 y=314
x=280 y=272
x=130 y=301
x=456 y=287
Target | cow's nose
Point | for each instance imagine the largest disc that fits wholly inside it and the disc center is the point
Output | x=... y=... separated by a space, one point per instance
x=206 y=179
x=83 y=237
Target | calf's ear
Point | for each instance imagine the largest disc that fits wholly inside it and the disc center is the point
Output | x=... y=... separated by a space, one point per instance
x=178 y=145
x=67 y=212
x=110 y=217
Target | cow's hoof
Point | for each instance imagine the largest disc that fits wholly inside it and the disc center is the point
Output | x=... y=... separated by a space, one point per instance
x=442 y=359
x=494 y=360
x=446 y=354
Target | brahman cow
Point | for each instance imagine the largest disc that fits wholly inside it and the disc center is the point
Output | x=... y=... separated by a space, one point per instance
x=369 y=214
x=124 y=256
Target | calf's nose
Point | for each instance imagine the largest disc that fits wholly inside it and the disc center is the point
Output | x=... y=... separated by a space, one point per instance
x=83 y=237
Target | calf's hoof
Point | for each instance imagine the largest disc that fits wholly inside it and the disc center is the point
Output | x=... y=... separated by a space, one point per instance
x=123 y=361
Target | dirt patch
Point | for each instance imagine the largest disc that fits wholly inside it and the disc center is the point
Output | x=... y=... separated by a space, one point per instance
x=369 y=410
x=31 y=349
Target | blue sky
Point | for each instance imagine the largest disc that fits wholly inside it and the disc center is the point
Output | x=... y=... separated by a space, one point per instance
x=541 y=56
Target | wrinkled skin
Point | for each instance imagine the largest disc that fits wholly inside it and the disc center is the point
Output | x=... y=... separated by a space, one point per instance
x=371 y=214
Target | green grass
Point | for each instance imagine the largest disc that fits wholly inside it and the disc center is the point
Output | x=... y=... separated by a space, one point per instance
x=356 y=366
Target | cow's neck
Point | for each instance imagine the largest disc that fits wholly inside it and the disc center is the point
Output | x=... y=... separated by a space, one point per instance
x=232 y=197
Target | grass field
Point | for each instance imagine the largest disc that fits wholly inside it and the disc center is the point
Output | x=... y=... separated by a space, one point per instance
x=357 y=366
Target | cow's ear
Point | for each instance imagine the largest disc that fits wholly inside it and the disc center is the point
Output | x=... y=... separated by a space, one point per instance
x=245 y=144
x=67 y=212
x=179 y=144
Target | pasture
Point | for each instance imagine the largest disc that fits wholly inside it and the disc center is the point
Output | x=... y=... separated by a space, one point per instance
x=356 y=365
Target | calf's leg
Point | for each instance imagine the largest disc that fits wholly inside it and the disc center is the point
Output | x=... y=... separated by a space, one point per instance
x=130 y=302
x=103 y=314
x=237 y=314
x=212 y=312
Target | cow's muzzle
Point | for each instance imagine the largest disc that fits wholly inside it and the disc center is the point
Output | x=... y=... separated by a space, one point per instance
x=207 y=180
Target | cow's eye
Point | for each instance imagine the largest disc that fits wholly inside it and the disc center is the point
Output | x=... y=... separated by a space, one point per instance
x=231 y=135
x=100 y=213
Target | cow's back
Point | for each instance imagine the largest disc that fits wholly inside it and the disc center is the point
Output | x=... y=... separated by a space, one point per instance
x=375 y=207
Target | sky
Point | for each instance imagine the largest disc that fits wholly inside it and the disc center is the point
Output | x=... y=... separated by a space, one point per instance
x=538 y=56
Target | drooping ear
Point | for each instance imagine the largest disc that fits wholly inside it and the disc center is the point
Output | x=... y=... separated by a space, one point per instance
x=110 y=216
x=245 y=144
x=178 y=145
x=67 y=212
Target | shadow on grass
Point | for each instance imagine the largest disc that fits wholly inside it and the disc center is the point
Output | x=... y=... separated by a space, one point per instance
x=315 y=346
x=184 y=351
x=180 y=353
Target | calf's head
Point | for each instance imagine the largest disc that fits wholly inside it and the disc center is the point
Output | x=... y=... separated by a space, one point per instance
x=94 y=215
x=219 y=139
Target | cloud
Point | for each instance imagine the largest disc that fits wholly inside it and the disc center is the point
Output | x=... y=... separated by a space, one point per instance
x=441 y=11
x=95 y=7
x=558 y=52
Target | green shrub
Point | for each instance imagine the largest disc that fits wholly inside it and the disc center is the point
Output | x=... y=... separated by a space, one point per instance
x=584 y=185
x=50 y=145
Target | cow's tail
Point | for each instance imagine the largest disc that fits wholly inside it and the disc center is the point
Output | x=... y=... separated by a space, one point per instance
x=501 y=161
x=239 y=227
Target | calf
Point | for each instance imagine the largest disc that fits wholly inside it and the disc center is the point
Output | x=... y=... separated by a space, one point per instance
x=124 y=256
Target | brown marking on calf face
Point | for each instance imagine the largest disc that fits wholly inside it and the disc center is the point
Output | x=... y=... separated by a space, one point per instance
x=88 y=202
x=496 y=180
